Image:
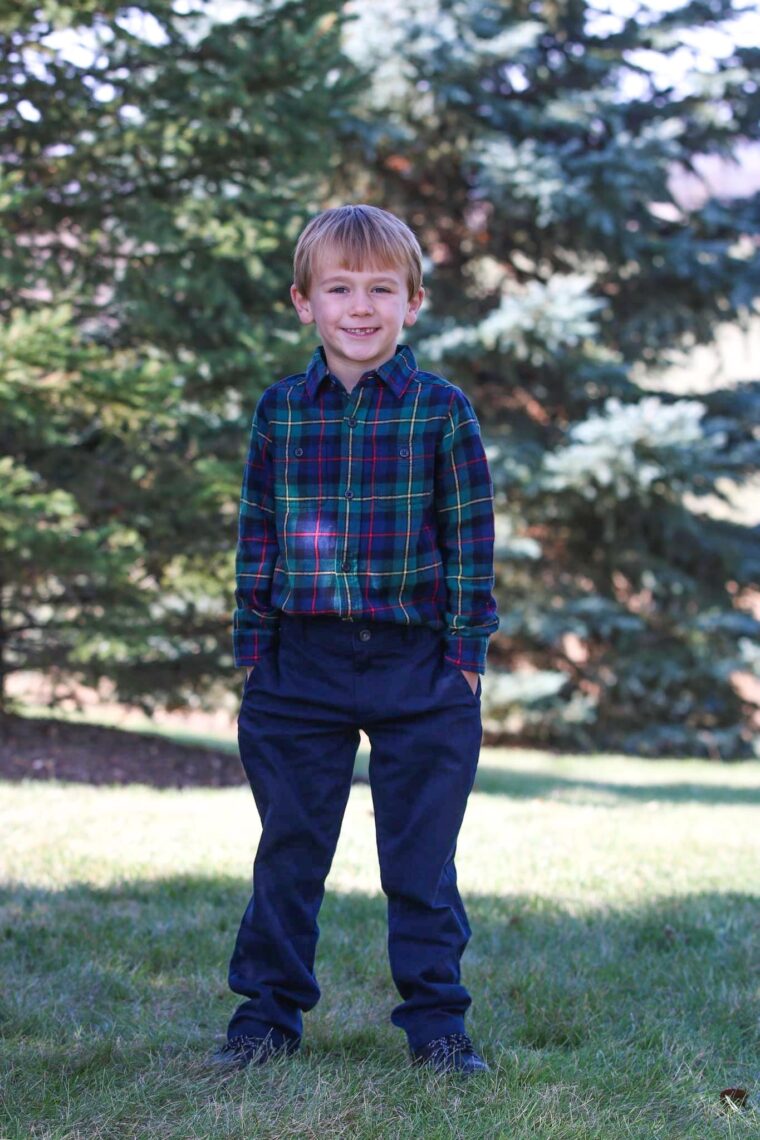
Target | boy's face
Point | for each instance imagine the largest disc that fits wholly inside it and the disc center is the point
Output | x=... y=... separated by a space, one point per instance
x=358 y=313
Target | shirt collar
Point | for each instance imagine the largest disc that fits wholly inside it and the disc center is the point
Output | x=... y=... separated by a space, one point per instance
x=396 y=373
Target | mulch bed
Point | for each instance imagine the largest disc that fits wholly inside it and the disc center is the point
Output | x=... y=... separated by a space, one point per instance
x=91 y=754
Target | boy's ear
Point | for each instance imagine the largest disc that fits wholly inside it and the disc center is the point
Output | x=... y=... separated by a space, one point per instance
x=413 y=308
x=302 y=306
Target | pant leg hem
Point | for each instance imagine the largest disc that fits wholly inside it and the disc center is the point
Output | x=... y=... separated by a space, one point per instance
x=248 y=1027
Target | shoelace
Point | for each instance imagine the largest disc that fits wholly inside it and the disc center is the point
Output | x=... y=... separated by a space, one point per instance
x=255 y=1044
x=444 y=1048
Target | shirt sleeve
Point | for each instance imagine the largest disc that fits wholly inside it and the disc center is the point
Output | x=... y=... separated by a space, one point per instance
x=464 y=509
x=256 y=621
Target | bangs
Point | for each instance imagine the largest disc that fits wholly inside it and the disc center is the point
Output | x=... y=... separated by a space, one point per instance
x=360 y=238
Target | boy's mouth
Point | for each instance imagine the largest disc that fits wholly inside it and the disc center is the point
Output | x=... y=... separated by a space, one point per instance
x=360 y=332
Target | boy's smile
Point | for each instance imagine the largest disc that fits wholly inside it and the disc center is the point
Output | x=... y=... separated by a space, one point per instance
x=358 y=313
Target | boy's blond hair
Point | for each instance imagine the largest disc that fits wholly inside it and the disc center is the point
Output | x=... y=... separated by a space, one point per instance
x=361 y=236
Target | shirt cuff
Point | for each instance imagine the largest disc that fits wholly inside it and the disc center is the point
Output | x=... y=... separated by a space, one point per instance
x=250 y=645
x=467 y=652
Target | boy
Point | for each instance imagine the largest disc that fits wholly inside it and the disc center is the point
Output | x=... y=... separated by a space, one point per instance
x=364 y=592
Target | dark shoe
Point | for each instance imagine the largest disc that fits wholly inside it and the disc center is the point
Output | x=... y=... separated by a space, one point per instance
x=453 y=1053
x=239 y=1052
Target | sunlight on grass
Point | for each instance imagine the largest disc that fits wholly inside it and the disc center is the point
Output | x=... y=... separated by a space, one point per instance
x=589 y=829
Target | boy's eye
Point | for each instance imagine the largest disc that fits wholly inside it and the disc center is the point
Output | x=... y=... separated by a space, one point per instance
x=344 y=289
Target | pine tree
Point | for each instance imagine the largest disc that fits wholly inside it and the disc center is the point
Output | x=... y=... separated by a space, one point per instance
x=156 y=167
x=533 y=148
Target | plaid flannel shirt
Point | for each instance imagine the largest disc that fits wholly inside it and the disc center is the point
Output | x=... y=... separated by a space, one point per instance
x=375 y=503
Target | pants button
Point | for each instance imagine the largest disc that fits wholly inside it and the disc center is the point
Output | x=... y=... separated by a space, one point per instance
x=364 y=635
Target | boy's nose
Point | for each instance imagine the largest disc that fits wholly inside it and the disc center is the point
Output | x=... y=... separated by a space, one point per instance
x=362 y=303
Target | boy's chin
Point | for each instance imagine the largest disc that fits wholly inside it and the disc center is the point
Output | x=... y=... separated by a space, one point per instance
x=371 y=350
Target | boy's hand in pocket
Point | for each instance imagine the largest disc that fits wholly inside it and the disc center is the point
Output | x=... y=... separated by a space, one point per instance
x=471 y=678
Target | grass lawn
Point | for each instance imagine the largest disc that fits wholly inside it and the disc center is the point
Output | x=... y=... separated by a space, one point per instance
x=614 y=964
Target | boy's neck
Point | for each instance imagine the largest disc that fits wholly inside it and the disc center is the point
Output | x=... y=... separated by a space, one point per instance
x=348 y=383
x=348 y=376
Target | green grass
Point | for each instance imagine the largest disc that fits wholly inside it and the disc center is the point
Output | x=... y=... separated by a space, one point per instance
x=614 y=963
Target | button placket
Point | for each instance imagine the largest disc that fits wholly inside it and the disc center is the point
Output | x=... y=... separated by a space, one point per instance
x=347 y=583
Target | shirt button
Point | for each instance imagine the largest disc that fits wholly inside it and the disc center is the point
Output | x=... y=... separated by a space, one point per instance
x=346 y=566
x=404 y=452
x=349 y=494
x=364 y=635
x=352 y=422
x=298 y=451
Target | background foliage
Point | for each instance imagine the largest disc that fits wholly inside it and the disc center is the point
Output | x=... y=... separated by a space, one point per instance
x=153 y=184
x=533 y=147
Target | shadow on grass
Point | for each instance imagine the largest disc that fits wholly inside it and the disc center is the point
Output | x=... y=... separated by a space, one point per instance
x=111 y=999
x=145 y=963
x=519 y=784
x=527 y=785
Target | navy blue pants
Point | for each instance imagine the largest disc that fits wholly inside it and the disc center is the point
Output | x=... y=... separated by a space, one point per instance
x=298 y=728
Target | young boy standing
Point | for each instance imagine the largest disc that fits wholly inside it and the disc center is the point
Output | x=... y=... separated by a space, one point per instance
x=364 y=593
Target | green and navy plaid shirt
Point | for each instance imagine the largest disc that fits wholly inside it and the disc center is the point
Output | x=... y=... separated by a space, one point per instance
x=375 y=503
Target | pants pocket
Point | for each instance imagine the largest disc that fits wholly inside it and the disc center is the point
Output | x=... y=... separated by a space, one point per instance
x=462 y=681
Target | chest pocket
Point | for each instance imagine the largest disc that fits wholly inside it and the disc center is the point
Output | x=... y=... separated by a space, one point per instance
x=299 y=468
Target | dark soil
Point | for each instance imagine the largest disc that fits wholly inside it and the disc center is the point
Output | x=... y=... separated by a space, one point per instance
x=91 y=754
